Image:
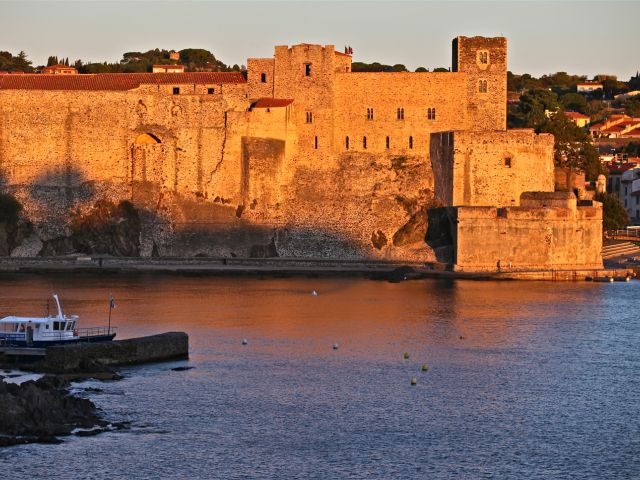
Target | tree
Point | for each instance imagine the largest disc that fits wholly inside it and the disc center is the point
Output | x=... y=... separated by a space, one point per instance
x=533 y=107
x=421 y=69
x=398 y=67
x=614 y=215
x=53 y=60
x=574 y=102
x=440 y=69
x=572 y=147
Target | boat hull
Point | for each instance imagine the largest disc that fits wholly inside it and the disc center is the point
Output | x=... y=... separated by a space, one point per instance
x=50 y=343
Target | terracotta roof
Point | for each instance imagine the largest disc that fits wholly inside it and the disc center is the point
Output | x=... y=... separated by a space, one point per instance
x=114 y=81
x=57 y=65
x=271 y=103
x=576 y=115
x=168 y=66
x=621 y=167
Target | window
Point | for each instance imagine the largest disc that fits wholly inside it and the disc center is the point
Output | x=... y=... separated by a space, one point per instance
x=483 y=57
x=410 y=142
x=176 y=90
x=431 y=114
x=369 y=113
x=400 y=113
x=210 y=91
x=347 y=143
x=625 y=190
x=364 y=142
x=263 y=77
x=56 y=325
x=307 y=69
x=316 y=143
x=309 y=117
x=638 y=200
x=482 y=86
x=388 y=142
x=507 y=162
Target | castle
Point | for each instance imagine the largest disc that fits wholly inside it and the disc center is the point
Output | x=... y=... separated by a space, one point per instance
x=303 y=158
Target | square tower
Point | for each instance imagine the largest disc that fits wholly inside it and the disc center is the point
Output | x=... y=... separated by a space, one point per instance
x=484 y=62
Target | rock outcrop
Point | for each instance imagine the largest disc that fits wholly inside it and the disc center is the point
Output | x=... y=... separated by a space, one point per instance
x=40 y=411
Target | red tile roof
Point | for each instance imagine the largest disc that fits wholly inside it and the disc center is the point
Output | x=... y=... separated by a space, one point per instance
x=271 y=103
x=576 y=115
x=114 y=81
x=621 y=167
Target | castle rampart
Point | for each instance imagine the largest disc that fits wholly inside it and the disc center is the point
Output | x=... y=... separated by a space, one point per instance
x=303 y=158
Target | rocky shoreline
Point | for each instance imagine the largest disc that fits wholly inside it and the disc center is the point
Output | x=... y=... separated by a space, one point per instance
x=43 y=410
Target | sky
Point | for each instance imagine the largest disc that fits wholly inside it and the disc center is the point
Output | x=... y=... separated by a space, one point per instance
x=579 y=37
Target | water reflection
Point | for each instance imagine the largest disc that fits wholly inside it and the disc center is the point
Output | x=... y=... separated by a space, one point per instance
x=526 y=380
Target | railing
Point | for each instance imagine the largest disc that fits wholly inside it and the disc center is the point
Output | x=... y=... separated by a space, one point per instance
x=95 y=331
x=627 y=233
x=6 y=338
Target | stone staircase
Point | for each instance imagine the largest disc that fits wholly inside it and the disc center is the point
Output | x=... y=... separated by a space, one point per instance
x=620 y=249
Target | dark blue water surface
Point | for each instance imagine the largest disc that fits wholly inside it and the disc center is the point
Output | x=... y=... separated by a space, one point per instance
x=525 y=380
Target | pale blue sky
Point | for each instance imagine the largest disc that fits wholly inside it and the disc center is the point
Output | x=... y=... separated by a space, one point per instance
x=585 y=37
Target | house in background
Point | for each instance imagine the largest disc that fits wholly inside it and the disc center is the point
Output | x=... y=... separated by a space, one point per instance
x=578 y=118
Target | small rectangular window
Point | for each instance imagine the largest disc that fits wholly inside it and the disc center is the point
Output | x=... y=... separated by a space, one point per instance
x=316 y=143
x=507 y=162
x=431 y=114
x=263 y=77
x=369 y=113
x=176 y=90
x=307 y=69
x=482 y=86
x=346 y=143
x=410 y=142
x=400 y=113
x=364 y=142
x=388 y=142
x=210 y=91
x=309 y=117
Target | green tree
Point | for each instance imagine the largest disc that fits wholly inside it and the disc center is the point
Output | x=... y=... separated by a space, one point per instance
x=573 y=147
x=440 y=69
x=53 y=60
x=533 y=107
x=421 y=69
x=574 y=102
x=398 y=67
x=614 y=215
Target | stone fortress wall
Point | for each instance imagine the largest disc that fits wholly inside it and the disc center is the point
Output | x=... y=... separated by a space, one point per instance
x=303 y=159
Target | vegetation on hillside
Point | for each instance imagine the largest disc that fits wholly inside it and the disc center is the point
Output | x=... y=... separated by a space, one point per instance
x=19 y=63
x=614 y=215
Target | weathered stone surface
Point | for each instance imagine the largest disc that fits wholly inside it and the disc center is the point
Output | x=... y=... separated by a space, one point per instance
x=79 y=356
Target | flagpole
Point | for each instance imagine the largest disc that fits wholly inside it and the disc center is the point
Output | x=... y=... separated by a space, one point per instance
x=110 y=307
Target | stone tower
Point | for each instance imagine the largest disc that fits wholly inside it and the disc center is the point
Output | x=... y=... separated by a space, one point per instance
x=484 y=61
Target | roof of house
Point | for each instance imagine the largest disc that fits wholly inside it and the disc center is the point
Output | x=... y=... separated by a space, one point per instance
x=621 y=167
x=114 y=81
x=168 y=66
x=271 y=102
x=576 y=115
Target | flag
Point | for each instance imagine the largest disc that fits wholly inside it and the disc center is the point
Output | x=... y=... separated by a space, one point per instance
x=112 y=301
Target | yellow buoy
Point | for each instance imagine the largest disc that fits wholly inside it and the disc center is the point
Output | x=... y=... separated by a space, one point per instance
x=425 y=367
x=406 y=355
x=414 y=380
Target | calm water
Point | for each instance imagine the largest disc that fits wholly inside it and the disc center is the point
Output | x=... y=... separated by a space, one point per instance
x=543 y=383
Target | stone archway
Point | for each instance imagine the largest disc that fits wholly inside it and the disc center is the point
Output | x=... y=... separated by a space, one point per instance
x=146 y=164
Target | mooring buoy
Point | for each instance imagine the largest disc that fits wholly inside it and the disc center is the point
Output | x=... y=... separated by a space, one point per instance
x=414 y=381
x=335 y=346
x=244 y=341
x=406 y=355
x=425 y=367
